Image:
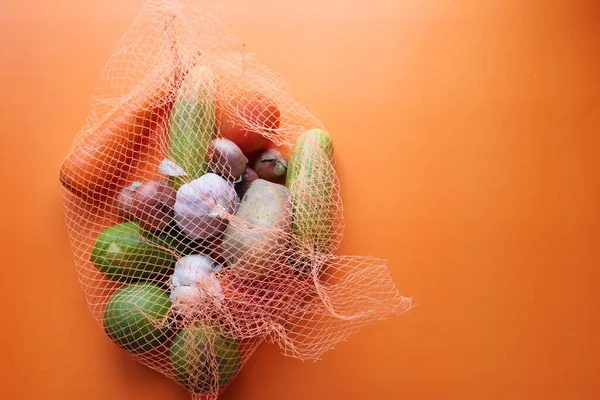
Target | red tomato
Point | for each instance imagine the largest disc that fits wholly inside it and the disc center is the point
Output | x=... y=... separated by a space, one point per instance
x=243 y=119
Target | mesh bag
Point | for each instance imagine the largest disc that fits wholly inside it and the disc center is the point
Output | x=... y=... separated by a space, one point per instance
x=187 y=261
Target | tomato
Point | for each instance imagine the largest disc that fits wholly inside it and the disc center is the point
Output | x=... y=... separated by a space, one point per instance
x=246 y=119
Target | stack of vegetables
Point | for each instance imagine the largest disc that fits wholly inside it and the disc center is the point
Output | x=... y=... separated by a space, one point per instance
x=213 y=220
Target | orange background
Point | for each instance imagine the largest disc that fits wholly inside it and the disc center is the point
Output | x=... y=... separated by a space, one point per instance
x=467 y=142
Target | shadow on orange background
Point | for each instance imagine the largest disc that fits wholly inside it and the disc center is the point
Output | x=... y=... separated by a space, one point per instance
x=467 y=143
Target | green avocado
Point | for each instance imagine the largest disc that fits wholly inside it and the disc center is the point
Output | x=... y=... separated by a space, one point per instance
x=204 y=359
x=136 y=317
x=125 y=253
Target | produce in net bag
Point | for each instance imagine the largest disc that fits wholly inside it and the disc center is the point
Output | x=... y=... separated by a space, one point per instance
x=204 y=210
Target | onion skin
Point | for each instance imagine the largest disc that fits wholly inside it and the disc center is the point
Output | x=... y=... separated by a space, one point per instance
x=174 y=173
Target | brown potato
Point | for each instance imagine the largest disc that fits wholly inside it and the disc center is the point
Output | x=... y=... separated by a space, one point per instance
x=260 y=234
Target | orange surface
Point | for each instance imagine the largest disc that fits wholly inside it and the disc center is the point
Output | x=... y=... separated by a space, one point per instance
x=467 y=143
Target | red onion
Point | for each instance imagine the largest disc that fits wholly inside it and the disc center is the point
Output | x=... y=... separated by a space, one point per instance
x=271 y=166
x=225 y=158
x=153 y=204
x=124 y=199
x=247 y=178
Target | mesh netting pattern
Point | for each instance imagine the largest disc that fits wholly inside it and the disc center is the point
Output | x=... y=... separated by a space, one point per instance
x=187 y=260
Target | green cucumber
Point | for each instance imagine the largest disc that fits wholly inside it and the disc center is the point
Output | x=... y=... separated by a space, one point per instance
x=192 y=123
x=310 y=181
x=125 y=253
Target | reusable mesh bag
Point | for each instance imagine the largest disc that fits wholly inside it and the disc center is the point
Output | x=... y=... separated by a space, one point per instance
x=178 y=270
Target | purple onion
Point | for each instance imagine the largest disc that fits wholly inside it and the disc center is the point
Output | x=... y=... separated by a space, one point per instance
x=247 y=178
x=271 y=166
x=153 y=204
x=225 y=158
x=124 y=199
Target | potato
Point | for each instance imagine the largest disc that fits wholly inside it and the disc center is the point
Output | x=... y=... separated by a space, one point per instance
x=258 y=238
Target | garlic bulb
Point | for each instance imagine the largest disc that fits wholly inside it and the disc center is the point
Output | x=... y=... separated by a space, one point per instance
x=194 y=282
x=203 y=206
